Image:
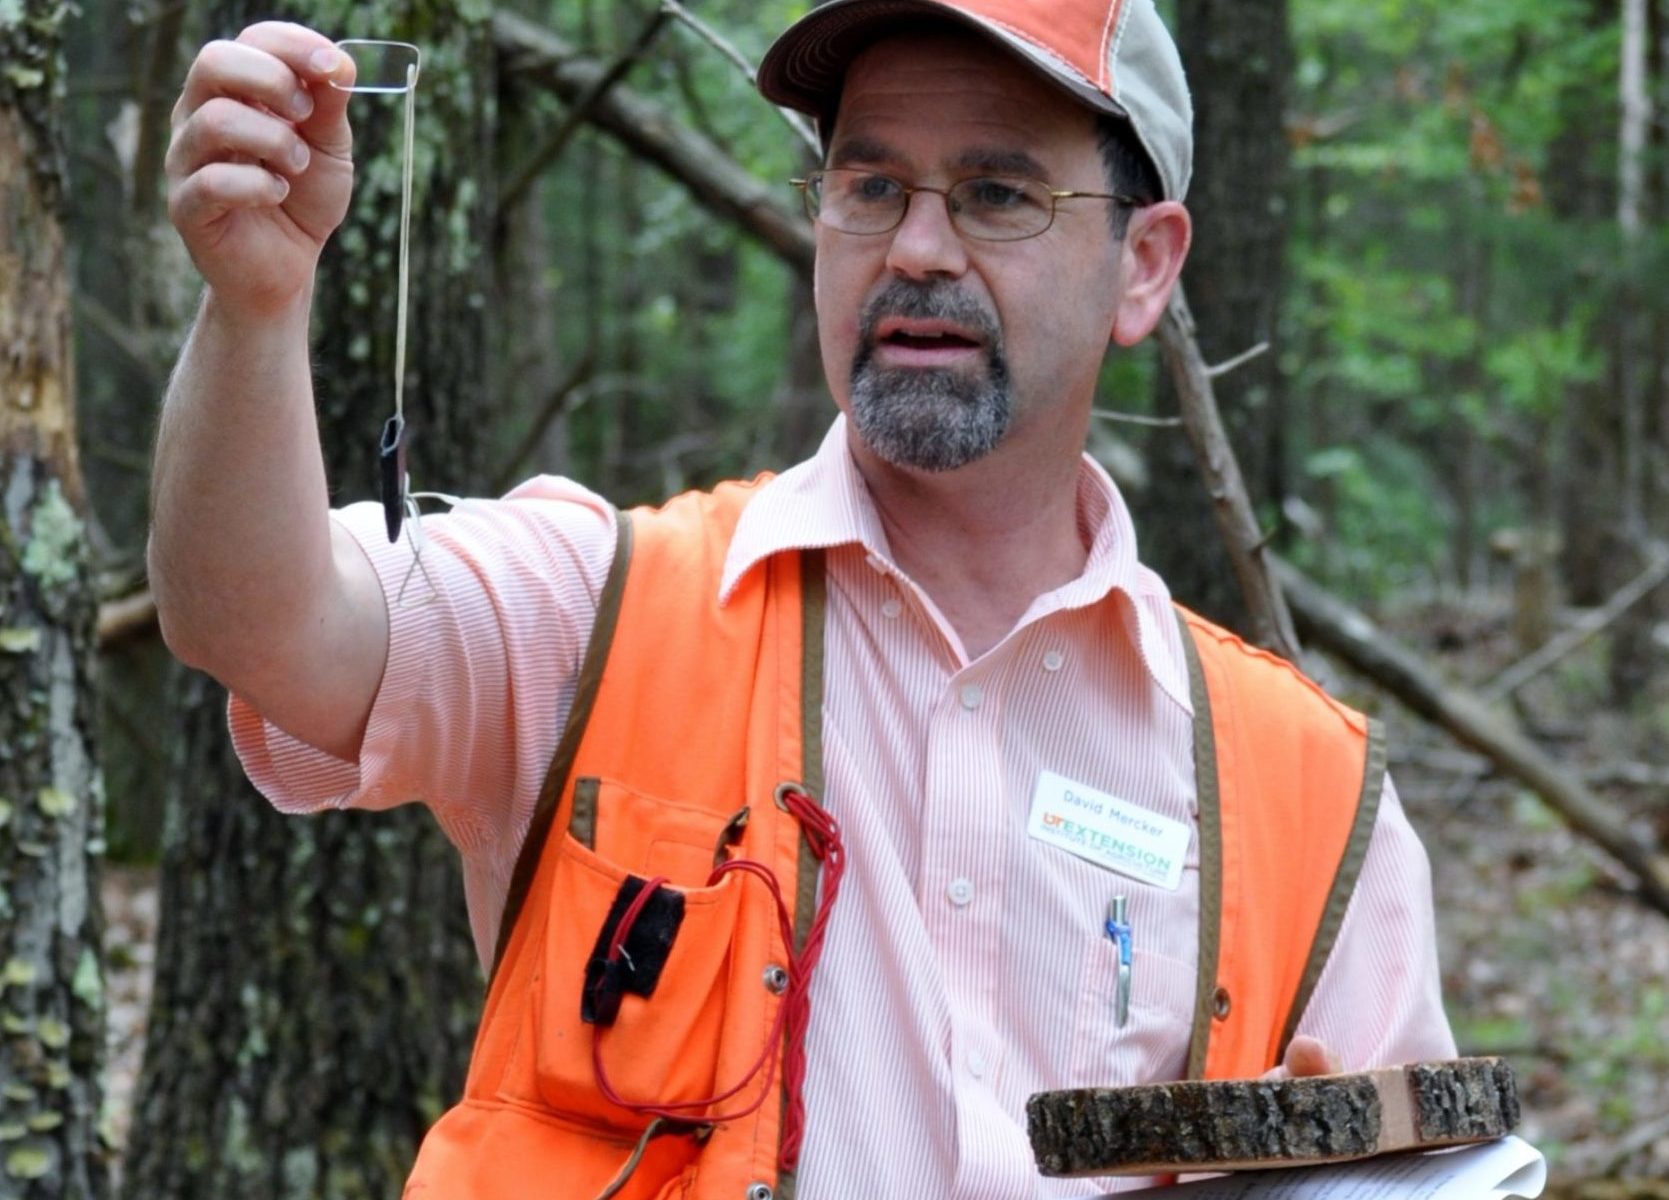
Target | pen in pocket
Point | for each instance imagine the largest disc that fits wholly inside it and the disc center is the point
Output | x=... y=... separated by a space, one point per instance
x=1118 y=929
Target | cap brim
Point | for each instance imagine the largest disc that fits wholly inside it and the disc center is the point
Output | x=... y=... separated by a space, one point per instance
x=805 y=67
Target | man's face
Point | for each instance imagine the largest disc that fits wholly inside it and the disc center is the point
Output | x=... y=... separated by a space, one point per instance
x=940 y=347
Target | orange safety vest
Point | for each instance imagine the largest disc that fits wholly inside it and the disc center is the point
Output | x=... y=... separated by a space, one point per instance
x=687 y=718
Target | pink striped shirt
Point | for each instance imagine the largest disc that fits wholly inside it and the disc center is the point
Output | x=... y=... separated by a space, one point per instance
x=966 y=966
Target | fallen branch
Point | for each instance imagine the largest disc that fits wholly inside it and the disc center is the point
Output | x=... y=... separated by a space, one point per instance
x=1476 y=766
x=126 y=618
x=564 y=398
x=531 y=55
x=574 y=119
x=708 y=34
x=1591 y=624
x=1271 y=622
x=1347 y=633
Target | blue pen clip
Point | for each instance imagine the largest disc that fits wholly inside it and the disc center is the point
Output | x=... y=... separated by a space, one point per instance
x=1118 y=929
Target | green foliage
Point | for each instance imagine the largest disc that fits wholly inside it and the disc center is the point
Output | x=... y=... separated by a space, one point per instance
x=1454 y=258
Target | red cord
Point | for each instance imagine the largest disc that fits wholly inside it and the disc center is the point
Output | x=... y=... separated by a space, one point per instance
x=793 y=1014
x=823 y=836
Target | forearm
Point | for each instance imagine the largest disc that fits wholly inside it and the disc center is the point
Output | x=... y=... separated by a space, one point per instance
x=240 y=537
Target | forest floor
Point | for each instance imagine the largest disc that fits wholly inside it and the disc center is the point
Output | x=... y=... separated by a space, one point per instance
x=1547 y=959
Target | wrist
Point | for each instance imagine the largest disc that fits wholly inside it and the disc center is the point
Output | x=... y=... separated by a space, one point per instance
x=267 y=317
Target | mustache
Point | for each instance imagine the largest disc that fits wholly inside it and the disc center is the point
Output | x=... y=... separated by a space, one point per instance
x=939 y=300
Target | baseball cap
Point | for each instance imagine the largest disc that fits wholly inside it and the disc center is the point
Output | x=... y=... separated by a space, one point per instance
x=1116 y=56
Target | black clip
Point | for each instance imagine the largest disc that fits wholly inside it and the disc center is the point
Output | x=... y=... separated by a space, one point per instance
x=391 y=458
x=638 y=968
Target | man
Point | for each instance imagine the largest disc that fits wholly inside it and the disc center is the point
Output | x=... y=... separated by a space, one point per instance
x=911 y=714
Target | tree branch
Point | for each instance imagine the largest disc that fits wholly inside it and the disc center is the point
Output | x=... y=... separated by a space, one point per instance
x=532 y=55
x=708 y=34
x=542 y=158
x=564 y=398
x=1336 y=627
x=1244 y=538
x=126 y=618
x=1592 y=623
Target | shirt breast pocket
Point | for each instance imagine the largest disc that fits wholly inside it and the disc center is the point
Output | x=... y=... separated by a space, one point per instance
x=1152 y=1044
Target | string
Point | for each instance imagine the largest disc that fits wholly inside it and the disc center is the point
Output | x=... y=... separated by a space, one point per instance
x=405 y=248
x=793 y=1015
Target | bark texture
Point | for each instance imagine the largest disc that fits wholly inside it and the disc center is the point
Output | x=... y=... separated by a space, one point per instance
x=1167 y=1128
x=1460 y=1101
x=1238 y=57
x=51 y=818
x=317 y=990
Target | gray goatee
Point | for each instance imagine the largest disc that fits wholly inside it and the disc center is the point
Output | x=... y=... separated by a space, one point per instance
x=931 y=419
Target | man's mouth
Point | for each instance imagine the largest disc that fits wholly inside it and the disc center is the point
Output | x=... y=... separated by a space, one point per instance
x=902 y=342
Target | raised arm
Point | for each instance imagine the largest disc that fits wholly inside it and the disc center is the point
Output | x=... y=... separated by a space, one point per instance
x=253 y=581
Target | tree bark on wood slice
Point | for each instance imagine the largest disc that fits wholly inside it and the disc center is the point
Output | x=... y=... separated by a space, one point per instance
x=1250 y=1124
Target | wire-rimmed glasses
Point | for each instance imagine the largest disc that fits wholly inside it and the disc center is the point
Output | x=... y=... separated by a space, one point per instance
x=987 y=208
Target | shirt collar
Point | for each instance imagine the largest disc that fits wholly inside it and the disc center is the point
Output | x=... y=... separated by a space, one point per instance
x=824 y=502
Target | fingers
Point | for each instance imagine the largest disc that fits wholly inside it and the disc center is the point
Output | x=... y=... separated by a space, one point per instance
x=224 y=130
x=219 y=187
x=284 y=69
x=1309 y=1056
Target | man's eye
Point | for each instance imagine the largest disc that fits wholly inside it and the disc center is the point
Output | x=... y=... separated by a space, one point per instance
x=873 y=188
x=993 y=194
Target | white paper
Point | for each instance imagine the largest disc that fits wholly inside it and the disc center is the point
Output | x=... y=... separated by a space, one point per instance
x=1487 y=1171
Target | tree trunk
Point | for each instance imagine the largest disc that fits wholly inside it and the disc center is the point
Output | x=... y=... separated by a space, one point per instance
x=1633 y=650
x=51 y=975
x=1238 y=57
x=316 y=988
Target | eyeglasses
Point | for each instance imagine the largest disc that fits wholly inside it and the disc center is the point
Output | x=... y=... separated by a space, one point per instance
x=987 y=208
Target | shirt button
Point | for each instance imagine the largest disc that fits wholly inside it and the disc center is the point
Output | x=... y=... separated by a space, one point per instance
x=961 y=892
x=891 y=609
x=1054 y=660
x=976 y=1064
x=972 y=697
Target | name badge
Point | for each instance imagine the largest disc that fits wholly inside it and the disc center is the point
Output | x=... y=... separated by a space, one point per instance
x=1109 y=832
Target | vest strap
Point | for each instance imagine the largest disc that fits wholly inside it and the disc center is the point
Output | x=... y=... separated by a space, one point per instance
x=1344 y=882
x=579 y=715
x=1211 y=852
x=813 y=606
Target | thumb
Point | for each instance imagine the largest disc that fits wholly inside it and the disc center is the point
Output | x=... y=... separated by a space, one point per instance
x=330 y=74
x=1309 y=1056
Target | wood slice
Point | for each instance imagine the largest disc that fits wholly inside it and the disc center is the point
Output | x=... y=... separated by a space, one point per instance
x=1249 y=1124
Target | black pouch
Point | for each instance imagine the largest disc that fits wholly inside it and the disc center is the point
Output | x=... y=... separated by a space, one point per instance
x=638 y=969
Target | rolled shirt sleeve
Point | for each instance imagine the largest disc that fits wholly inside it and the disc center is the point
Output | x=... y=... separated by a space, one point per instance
x=486 y=636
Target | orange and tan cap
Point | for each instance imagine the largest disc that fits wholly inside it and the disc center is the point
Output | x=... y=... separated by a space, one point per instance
x=1116 y=56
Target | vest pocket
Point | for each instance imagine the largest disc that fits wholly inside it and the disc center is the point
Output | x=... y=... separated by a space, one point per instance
x=646 y=835
x=664 y=1048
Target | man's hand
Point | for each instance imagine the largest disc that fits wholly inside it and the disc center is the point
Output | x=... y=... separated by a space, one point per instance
x=1305 y=1056
x=260 y=166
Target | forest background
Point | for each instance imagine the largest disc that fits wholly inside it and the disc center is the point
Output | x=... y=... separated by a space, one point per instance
x=1443 y=223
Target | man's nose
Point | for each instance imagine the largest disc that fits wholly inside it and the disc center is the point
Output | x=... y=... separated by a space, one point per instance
x=925 y=242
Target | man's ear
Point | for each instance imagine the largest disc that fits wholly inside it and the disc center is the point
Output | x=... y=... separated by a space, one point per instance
x=1153 y=251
